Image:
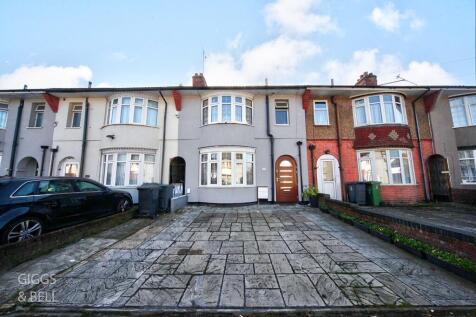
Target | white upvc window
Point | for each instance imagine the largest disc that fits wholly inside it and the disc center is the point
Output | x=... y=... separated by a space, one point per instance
x=37 y=114
x=227 y=167
x=388 y=166
x=379 y=109
x=227 y=109
x=463 y=111
x=74 y=115
x=133 y=110
x=127 y=169
x=281 y=112
x=321 y=112
x=467 y=163
x=3 y=115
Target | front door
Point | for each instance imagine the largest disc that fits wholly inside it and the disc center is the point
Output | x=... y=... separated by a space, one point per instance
x=286 y=180
x=328 y=177
x=439 y=177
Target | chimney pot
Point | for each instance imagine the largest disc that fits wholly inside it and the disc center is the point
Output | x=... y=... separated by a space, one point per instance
x=198 y=80
x=367 y=79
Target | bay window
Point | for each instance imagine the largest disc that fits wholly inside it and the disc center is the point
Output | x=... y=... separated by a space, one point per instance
x=388 y=166
x=463 y=111
x=227 y=109
x=127 y=169
x=467 y=163
x=379 y=109
x=226 y=167
x=131 y=110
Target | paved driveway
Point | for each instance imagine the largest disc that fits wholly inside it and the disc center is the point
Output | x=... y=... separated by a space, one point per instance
x=266 y=256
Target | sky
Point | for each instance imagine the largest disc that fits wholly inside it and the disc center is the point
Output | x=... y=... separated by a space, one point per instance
x=115 y=43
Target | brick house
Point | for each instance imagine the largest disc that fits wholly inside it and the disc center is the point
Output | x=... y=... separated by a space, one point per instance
x=368 y=132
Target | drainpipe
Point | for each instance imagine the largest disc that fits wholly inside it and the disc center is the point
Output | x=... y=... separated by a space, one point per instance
x=85 y=135
x=52 y=159
x=271 y=143
x=417 y=126
x=299 y=143
x=163 y=139
x=43 y=149
x=16 y=134
x=339 y=151
x=311 y=148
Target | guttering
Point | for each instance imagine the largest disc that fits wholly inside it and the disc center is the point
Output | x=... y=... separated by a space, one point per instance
x=271 y=143
x=163 y=139
x=420 y=152
x=15 y=135
x=339 y=151
x=85 y=135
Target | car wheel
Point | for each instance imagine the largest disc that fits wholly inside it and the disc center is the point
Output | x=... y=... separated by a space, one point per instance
x=22 y=229
x=123 y=205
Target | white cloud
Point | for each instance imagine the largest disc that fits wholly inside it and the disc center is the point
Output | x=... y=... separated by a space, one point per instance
x=235 y=42
x=276 y=60
x=296 y=17
x=46 y=77
x=390 y=18
x=387 y=67
x=103 y=85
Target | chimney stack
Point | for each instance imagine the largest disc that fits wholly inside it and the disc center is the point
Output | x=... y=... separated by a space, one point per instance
x=198 y=80
x=367 y=79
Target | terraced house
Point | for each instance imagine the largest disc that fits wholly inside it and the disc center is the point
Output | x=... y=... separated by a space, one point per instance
x=243 y=144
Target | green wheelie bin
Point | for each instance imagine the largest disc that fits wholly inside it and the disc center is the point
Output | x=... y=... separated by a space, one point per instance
x=373 y=193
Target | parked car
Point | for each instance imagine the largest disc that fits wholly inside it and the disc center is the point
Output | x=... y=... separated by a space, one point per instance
x=32 y=206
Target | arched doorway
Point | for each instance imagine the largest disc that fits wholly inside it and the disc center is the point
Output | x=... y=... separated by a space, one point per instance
x=177 y=172
x=328 y=176
x=439 y=177
x=27 y=167
x=286 y=180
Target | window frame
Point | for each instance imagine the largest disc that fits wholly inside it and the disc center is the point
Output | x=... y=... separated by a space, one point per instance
x=105 y=161
x=4 y=108
x=219 y=154
x=208 y=103
x=63 y=168
x=71 y=114
x=373 y=165
x=32 y=124
x=288 y=119
x=314 y=112
x=383 y=113
x=470 y=119
x=466 y=159
x=117 y=109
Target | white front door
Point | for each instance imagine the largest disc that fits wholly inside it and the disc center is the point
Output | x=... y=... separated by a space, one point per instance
x=328 y=176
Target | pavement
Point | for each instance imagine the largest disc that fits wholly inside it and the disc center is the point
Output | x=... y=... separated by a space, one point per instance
x=253 y=257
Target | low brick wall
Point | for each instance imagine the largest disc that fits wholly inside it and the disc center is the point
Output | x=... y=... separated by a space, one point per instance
x=466 y=196
x=463 y=245
x=13 y=254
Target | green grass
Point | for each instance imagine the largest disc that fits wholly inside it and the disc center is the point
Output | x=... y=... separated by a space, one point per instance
x=446 y=256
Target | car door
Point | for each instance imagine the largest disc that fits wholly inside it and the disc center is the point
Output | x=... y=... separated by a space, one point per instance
x=57 y=198
x=98 y=200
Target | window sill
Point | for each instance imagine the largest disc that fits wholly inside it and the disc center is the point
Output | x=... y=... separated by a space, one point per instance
x=469 y=183
x=225 y=187
x=130 y=124
x=34 y=127
x=222 y=123
x=282 y=124
x=322 y=125
x=74 y=128
x=380 y=125
x=465 y=126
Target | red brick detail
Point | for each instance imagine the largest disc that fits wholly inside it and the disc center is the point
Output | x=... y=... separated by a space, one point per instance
x=177 y=100
x=367 y=79
x=306 y=99
x=430 y=100
x=382 y=136
x=52 y=101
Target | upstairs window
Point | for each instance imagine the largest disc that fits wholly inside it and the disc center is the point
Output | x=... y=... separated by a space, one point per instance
x=379 y=109
x=281 y=111
x=227 y=109
x=74 y=115
x=130 y=110
x=36 y=117
x=321 y=113
x=463 y=111
x=3 y=115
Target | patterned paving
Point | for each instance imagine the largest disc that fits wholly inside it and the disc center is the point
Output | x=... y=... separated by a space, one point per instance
x=256 y=256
